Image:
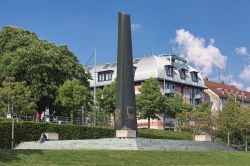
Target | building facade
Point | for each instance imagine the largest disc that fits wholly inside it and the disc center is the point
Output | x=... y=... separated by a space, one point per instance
x=172 y=72
x=217 y=94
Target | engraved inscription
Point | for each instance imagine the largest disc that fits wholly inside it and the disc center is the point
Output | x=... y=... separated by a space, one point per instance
x=130 y=112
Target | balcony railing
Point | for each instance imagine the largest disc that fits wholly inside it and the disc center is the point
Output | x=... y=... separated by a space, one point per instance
x=168 y=91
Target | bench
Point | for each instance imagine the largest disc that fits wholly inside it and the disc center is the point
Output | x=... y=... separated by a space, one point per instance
x=52 y=136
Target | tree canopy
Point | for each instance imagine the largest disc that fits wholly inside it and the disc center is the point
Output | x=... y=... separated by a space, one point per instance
x=150 y=101
x=229 y=121
x=177 y=104
x=106 y=98
x=71 y=95
x=17 y=96
x=41 y=64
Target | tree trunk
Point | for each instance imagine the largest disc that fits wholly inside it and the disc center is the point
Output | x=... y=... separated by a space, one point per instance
x=149 y=122
x=228 y=138
x=71 y=117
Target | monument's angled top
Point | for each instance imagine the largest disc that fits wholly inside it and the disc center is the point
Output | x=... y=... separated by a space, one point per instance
x=123 y=13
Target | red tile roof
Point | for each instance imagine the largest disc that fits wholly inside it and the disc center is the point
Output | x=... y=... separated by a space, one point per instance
x=223 y=90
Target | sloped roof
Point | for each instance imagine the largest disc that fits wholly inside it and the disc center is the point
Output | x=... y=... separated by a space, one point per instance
x=223 y=90
x=152 y=66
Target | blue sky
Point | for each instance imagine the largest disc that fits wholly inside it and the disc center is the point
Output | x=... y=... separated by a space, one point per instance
x=209 y=33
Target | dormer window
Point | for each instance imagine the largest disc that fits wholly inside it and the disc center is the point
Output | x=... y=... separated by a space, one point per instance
x=169 y=70
x=194 y=76
x=105 y=76
x=182 y=74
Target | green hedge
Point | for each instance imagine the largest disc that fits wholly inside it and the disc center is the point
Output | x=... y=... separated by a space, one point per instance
x=5 y=119
x=164 y=134
x=30 y=131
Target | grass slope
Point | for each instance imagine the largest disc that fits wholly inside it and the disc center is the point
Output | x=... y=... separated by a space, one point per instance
x=102 y=157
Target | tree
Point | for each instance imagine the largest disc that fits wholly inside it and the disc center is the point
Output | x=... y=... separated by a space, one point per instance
x=245 y=119
x=204 y=107
x=17 y=96
x=106 y=102
x=41 y=64
x=71 y=95
x=106 y=97
x=177 y=105
x=229 y=121
x=199 y=120
x=150 y=101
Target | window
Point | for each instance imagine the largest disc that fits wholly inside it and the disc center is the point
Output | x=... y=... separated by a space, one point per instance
x=105 y=76
x=170 y=71
x=194 y=76
x=182 y=74
x=169 y=86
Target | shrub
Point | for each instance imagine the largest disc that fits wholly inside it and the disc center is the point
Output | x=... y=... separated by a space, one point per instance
x=30 y=131
x=5 y=119
x=164 y=134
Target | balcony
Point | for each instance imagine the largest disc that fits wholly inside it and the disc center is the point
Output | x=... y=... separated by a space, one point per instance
x=199 y=96
x=168 y=91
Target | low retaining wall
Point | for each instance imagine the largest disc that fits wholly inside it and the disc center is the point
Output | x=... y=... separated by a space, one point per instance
x=127 y=144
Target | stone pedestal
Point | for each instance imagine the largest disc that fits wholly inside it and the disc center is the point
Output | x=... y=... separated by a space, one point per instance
x=202 y=138
x=125 y=133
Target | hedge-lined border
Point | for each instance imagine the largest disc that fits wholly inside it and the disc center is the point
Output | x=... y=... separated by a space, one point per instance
x=30 y=131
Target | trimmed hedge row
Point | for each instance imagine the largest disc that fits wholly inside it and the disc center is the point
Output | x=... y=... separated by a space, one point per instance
x=164 y=134
x=5 y=119
x=30 y=131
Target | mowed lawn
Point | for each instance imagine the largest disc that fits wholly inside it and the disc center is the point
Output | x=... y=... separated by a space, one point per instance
x=104 y=157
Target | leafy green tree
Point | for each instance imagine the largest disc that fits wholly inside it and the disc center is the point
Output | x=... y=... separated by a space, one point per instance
x=177 y=105
x=44 y=66
x=199 y=120
x=204 y=107
x=71 y=95
x=17 y=96
x=106 y=103
x=184 y=119
x=229 y=121
x=245 y=119
x=106 y=97
x=150 y=101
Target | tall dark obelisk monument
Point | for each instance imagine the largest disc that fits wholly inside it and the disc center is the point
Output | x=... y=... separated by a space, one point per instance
x=125 y=113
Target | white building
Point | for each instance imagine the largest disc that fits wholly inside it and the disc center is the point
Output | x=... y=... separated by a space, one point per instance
x=172 y=72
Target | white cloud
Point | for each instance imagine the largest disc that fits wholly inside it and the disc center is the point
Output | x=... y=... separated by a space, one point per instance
x=196 y=51
x=135 y=26
x=239 y=85
x=245 y=74
x=248 y=89
x=241 y=51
